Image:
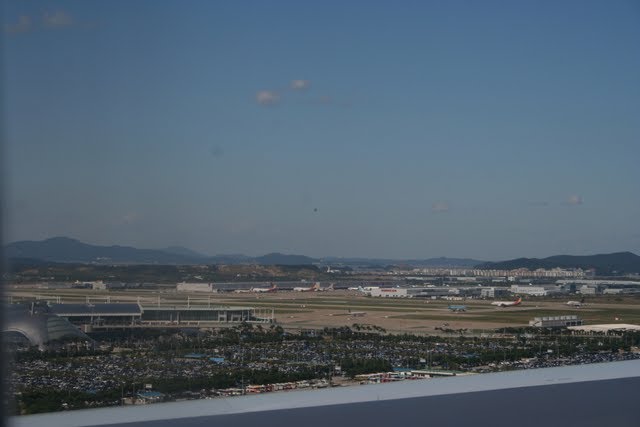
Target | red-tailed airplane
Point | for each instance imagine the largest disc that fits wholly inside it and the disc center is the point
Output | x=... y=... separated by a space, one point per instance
x=313 y=288
x=327 y=289
x=273 y=288
x=507 y=303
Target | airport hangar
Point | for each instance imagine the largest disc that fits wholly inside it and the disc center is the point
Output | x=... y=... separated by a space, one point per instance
x=582 y=395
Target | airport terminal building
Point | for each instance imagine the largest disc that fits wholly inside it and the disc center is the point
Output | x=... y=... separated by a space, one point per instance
x=197 y=314
x=35 y=324
x=39 y=324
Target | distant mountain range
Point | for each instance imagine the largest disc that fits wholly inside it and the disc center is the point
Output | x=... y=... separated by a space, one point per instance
x=63 y=249
x=282 y=259
x=604 y=264
x=66 y=250
x=425 y=263
x=179 y=250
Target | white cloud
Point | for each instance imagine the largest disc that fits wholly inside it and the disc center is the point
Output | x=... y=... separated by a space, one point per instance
x=300 y=84
x=130 y=218
x=22 y=26
x=57 y=19
x=267 y=97
x=574 y=200
x=440 y=207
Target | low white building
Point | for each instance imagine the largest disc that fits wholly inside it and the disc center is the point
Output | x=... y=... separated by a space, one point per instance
x=555 y=321
x=426 y=292
x=195 y=287
x=589 y=290
x=536 y=291
x=389 y=292
x=492 y=292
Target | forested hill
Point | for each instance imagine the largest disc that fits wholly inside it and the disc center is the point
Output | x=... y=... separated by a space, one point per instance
x=66 y=250
x=604 y=264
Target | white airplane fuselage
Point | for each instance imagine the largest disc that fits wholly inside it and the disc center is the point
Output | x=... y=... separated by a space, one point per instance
x=310 y=289
x=271 y=289
x=507 y=303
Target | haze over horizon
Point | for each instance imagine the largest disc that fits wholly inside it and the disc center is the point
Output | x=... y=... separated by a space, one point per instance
x=490 y=131
x=187 y=250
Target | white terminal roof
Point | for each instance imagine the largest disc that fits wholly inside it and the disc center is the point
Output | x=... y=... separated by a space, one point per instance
x=334 y=396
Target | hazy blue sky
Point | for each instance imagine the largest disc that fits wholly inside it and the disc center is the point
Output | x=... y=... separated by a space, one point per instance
x=486 y=129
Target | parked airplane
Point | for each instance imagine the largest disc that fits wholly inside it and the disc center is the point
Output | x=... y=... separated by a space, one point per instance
x=366 y=290
x=457 y=308
x=273 y=288
x=328 y=288
x=313 y=288
x=363 y=289
x=576 y=304
x=243 y=291
x=507 y=303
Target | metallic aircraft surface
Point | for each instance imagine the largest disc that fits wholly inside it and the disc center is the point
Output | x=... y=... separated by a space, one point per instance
x=507 y=303
x=576 y=304
x=313 y=288
x=273 y=288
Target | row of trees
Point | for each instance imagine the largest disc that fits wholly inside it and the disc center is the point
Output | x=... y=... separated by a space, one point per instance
x=353 y=367
x=50 y=400
x=451 y=353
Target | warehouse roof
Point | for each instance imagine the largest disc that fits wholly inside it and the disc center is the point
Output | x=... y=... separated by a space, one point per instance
x=116 y=309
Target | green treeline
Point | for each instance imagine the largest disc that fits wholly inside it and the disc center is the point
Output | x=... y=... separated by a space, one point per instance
x=353 y=367
x=50 y=400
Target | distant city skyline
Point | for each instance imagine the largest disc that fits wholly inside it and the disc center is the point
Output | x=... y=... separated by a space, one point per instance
x=490 y=131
